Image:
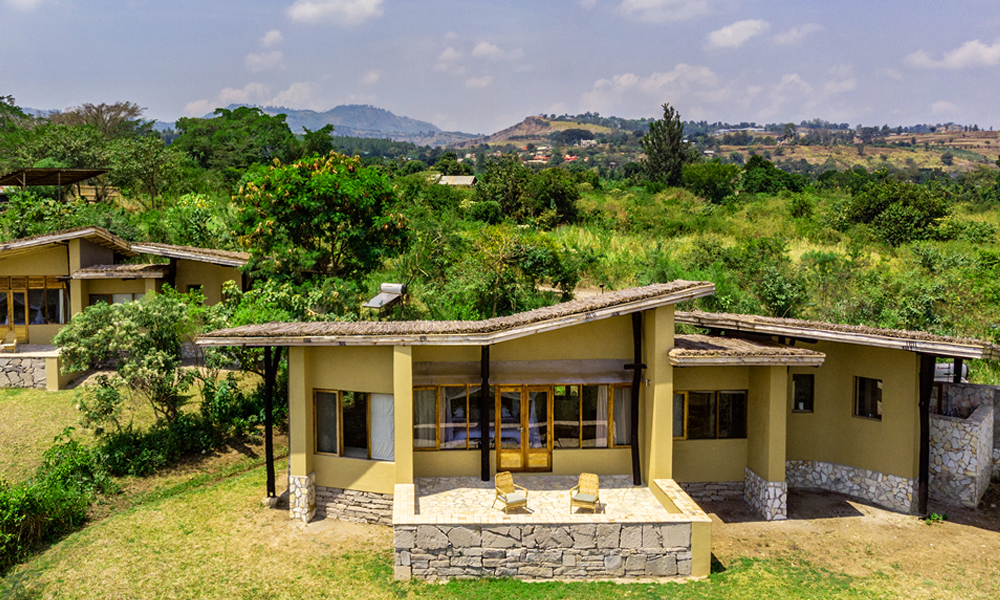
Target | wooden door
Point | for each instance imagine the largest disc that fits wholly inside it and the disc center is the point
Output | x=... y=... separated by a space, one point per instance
x=524 y=425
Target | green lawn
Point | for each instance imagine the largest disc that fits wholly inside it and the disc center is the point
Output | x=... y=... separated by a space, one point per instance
x=29 y=420
x=211 y=538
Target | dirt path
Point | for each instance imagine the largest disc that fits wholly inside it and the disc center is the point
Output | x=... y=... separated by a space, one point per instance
x=834 y=532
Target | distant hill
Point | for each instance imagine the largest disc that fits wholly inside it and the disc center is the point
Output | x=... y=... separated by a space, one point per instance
x=534 y=129
x=361 y=120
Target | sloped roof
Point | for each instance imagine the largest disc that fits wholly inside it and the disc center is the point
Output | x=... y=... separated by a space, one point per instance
x=208 y=255
x=703 y=350
x=92 y=233
x=484 y=332
x=148 y=271
x=914 y=341
x=26 y=177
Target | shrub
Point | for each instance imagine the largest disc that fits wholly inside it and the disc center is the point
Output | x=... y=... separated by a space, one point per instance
x=713 y=180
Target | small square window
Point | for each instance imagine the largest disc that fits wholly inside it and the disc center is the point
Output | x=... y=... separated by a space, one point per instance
x=868 y=398
x=803 y=387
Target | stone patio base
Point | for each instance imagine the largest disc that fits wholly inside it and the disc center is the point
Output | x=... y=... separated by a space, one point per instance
x=893 y=492
x=352 y=505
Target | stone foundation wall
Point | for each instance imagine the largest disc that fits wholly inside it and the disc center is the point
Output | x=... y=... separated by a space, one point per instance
x=20 y=372
x=961 y=399
x=352 y=505
x=714 y=491
x=576 y=551
x=893 y=492
x=961 y=459
x=302 y=497
x=769 y=498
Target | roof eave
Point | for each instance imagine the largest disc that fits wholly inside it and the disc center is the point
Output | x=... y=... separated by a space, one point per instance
x=747 y=361
x=183 y=255
x=465 y=339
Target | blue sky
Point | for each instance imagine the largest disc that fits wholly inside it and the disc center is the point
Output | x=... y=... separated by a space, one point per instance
x=482 y=66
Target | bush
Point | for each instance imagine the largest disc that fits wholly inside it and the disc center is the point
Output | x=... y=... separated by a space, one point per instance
x=760 y=176
x=713 y=180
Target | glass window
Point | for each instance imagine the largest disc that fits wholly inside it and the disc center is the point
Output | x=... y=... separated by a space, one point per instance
x=510 y=418
x=454 y=417
x=701 y=415
x=732 y=415
x=538 y=419
x=354 y=410
x=594 y=413
x=121 y=298
x=36 y=307
x=19 y=308
x=474 y=437
x=3 y=308
x=326 y=422
x=566 y=416
x=424 y=424
x=868 y=398
x=55 y=306
x=95 y=298
x=623 y=416
x=802 y=392
x=679 y=400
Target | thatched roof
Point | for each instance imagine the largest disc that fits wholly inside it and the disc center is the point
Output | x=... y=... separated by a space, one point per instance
x=703 y=350
x=147 y=271
x=92 y=233
x=914 y=341
x=207 y=255
x=487 y=331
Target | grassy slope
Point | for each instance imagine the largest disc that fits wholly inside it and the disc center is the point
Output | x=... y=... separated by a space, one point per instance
x=48 y=413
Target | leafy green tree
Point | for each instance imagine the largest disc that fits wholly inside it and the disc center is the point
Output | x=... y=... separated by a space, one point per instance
x=317 y=142
x=554 y=191
x=711 y=180
x=505 y=181
x=665 y=148
x=760 y=176
x=326 y=216
x=143 y=341
x=235 y=139
x=113 y=121
x=900 y=212
x=143 y=164
x=448 y=164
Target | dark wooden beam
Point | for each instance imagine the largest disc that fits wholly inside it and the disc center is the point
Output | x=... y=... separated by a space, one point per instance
x=636 y=368
x=484 y=414
x=272 y=358
x=926 y=383
x=956 y=370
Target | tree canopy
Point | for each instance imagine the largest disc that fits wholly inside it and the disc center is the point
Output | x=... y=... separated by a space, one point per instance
x=665 y=148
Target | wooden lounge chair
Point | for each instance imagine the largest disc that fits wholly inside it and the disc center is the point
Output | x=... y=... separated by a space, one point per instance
x=9 y=343
x=586 y=494
x=512 y=496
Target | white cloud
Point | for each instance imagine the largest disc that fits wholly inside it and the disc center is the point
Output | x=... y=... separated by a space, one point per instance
x=893 y=74
x=370 y=78
x=944 y=107
x=298 y=95
x=659 y=11
x=338 y=12
x=251 y=93
x=683 y=84
x=478 y=83
x=272 y=38
x=494 y=52
x=451 y=35
x=24 y=5
x=735 y=35
x=588 y=4
x=264 y=61
x=795 y=35
x=840 y=86
x=449 y=54
x=969 y=54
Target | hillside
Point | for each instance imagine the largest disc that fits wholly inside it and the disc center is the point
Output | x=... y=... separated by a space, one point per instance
x=534 y=129
x=367 y=121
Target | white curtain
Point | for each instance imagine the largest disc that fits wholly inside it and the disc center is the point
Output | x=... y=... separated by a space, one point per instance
x=383 y=427
x=602 y=416
x=424 y=425
x=623 y=416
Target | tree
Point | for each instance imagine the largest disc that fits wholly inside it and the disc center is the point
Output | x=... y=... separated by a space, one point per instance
x=324 y=215
x=121 y=119
x=712 y=180
x=236 y=139
x=317 y=142
x=143 y=163
x=665 y=148
x=553 y=190
x=505 y=181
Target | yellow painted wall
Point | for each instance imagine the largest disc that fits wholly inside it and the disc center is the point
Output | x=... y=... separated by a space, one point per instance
x=42 y=334
x=52 y=261
x=300 y=413
x=465 y=463
x=89 y=254
x=693 y=379
x=402 y=387
x=354 y=473
x=607 y=338
x=351 y=368
x=710 y=460
x=112 y=286
x=766 y=414
x=209 y=276
x=656 y=459
x=832 y=434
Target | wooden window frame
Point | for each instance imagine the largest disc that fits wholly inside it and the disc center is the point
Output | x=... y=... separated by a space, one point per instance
x=812 y=395
x=25 y=285
x=746 y=415
x=684 y=424
x=340 y=423
x=611 y=413
x=857 y=390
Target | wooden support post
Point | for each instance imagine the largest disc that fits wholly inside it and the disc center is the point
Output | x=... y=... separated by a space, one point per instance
x=926 y=385
x=484 y=415
x=272 y=358
x=636 y=368
x=956 y=370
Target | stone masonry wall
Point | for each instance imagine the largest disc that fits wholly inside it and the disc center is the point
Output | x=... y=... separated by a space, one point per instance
x=576 y=551
x=302 y=497
x=769 y=498
x=19 y=372
x=701 y=491
x=961 y=459
x=893 y=492
x=352 y=505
